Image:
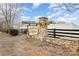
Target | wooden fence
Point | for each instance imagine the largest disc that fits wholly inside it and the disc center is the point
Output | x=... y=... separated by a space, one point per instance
x=73 y=33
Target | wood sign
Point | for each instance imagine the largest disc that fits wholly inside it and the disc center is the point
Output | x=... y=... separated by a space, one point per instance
x=33 y=30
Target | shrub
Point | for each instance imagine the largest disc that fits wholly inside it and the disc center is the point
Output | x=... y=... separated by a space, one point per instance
x=13 y=32
x=7 y=31
x=2 y=31
x=25 y=31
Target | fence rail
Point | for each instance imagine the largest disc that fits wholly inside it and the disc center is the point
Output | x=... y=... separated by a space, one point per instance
x=73 y=33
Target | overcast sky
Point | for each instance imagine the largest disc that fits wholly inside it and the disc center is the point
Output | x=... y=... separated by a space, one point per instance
x=54 y=11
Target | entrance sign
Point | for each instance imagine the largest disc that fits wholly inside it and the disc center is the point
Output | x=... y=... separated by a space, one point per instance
x=33 y=29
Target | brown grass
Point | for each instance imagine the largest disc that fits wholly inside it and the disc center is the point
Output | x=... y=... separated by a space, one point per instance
x=20 y=46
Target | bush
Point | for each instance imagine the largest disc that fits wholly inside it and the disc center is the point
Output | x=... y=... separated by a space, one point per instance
x=13 y=32
x=7 y=31
x=2 y=31
x=25 y=31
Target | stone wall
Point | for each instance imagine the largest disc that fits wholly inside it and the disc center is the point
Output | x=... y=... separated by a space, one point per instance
x=72 y=45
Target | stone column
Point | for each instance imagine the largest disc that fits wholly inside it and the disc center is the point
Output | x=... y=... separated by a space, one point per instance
x=43 y=28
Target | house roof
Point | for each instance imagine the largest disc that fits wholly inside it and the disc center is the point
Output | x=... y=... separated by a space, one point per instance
x=43 y=18
x=28 y=22
x=62 y=26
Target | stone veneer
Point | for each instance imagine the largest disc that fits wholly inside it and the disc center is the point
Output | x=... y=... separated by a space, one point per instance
x=72 y=45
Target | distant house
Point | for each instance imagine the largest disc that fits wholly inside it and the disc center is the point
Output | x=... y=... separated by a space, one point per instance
x=62 y=25
x=22 y=26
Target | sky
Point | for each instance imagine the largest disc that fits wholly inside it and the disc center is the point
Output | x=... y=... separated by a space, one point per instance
x=53 y=11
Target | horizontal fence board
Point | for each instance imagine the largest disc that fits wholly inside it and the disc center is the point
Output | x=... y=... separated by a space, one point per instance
x=50 y=33
x=63 y=31
x=66 y=36
x=68 y=33
x=73 y=33
x=50 y=29
x=68 y=29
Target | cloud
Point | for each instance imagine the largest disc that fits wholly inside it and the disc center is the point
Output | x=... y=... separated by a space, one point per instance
x=53 y=14
x=36 y=5
x=53 y=5
x=25 y=18
x=26 y=9
x=67 y=15
x=66 y=19
x=48 y=13
x=28 y=18
x=57 y=7
x=36 y=18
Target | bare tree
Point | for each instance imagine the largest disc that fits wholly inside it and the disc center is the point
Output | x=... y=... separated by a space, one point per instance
x=9 y=11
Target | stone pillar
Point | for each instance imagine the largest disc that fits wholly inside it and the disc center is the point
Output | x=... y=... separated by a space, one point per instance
x=43 y=21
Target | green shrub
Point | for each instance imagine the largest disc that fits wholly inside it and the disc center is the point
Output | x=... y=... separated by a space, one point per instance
x=13 y=32
x=25 y=31
x=3 y=30
x=7 y=31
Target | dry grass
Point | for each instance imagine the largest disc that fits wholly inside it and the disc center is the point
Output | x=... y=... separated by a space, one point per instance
x=19 y=46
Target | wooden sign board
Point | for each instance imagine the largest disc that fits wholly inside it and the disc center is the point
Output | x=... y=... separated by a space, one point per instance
x=33 y=30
